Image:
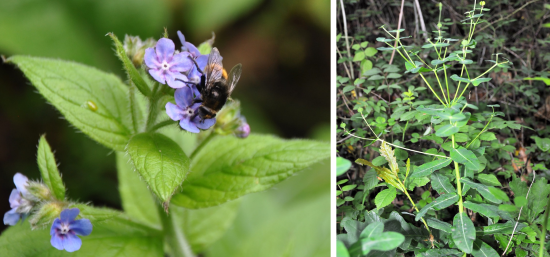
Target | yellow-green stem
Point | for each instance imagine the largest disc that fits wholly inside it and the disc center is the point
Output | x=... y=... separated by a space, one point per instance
x=458 y=185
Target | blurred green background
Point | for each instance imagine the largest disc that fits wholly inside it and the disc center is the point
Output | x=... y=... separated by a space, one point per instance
x=284 y=89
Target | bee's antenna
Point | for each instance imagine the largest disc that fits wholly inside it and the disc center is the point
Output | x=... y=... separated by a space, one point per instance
x=196 y=64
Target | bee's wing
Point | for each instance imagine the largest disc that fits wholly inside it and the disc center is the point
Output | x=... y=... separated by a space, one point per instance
x=234 y=76
x=214 y=67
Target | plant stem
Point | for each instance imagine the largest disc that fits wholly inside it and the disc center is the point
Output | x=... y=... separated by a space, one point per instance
x=153 y=107
x=458 y=185
x=160 y=125
x=203 y=143
x=173 y=235
x=544 y=224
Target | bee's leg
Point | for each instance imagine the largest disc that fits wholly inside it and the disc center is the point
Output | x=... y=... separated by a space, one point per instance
x=197 y=100
x=196 y=64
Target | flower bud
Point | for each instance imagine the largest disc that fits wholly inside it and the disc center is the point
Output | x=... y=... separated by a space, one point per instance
x=230 y=121
x=482 y=3
x=46 y=213
x=39 y=192
x=243 y=131
x=135 y=48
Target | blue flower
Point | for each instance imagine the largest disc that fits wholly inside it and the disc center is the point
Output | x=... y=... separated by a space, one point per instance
x=167 y=67
x=201 y=59
x=65 y=229
x=186 y=111
x=20 y=205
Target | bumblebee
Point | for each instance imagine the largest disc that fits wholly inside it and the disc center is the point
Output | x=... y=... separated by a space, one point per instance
x=215 y=85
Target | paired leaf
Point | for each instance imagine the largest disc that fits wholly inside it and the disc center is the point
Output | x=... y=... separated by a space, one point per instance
x=69 y=86
x=48 y=169
x=466 y=157
x=464 y=232
x=254 y=164
x=160 y=162
x=428 y=168
x=440 y=203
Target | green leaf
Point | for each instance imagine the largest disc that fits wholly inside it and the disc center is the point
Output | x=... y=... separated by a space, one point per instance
x=520 y=201
x=487 y=136
x=441 y=184
x=478 y=81
x=385 y=197
x=466 y=157
x=464 y=232
x=499 y=194
x=359 y=56
x=438 y=224
x=137 y=200
x=446 y=130
x=439 y=203
x=370 y=51
x=482 y=249
x=114 y=237
x=366 y=65
x=407 y=116
x=542 y=143
x=383 y=242
x=160 y=162
x=203 y=227
x=342 y=165
x=48 y=169
x=373 y=229
x=441 y=253
x=482 y=189
x=500 y=228
x=69 y=86
x=486 y=210
x=457 y=78
x=131 y=70
x=348 y=187
x=341 y=250
x=488 y=180
x=255 y=164
x=428 y=168
x=545 y=80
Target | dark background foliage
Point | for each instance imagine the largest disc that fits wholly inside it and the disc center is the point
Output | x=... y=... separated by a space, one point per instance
x=283 y=46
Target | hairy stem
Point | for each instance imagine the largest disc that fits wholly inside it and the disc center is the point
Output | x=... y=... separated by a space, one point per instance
x=161 y=124
x=153 y=107
x=173 y=236
x=203 y=143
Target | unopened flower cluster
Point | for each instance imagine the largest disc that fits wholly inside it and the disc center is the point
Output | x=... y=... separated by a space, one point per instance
x=28 y=196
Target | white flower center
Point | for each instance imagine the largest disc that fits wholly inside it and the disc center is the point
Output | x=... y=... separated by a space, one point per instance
x=64 y=228
x=190 y=111
x=165 y=66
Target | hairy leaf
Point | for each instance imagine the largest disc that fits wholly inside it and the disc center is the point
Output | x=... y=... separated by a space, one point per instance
x=228 y=167
x=70 y=86
x=48 y=169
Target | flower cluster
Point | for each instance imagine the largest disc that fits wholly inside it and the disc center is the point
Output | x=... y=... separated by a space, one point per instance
x=29 y=196
x=177 y=69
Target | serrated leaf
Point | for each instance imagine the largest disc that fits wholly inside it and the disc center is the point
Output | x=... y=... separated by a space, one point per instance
x=137 y=200
x=464 y=232
x=48 y=169
x=446 y=130
x=466 y=157
x=439 y=203
x=160 y=162
x=69 y=86
x=342 y=165
x=123 y=237
x=488 y=180
x=441 y=184
x=482 y=189
x=482 y=249
x=486 y=210
x=385 y=197
x=255 y=164
x=387 y=152
x=428 y=168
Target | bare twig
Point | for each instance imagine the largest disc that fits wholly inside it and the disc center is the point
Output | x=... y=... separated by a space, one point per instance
x=346 y=34
x=422 y=24
x=513 y=231
x=398 y=28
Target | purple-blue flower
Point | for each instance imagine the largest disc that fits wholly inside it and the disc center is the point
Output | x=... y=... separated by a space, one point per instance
x=201 y=59
x=243 y=131
x=65 y=229
x=186 y=111
x=19 y=205
x=167 y=67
